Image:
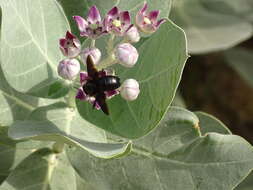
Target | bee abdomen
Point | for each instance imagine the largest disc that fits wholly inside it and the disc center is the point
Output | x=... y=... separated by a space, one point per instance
x=108 y=83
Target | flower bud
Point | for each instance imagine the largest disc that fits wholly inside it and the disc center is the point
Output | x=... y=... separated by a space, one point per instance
x=93 y=52
x=70 y=45
x=69 y=68
x=132 y=35
x=126 y=54
x=129 y=90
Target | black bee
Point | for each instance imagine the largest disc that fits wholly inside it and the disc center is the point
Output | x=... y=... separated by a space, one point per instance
x=97 y=85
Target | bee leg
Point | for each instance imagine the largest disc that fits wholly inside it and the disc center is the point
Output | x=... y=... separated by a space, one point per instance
x=94 y=104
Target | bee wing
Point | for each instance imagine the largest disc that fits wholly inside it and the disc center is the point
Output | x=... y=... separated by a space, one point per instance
x=100 y=99
x=92 y=71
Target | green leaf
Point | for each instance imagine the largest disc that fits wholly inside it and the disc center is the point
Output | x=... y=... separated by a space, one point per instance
x=231 y=7
x=13 y=152
x=210 y=124
x=64 y=125
x=6 y=153
x=247 y=183
x=41 y=170
x=173 y=156
x=30 y=33
x=15 y=105
x=158 y=70
x=207 y=29
x=240 y=59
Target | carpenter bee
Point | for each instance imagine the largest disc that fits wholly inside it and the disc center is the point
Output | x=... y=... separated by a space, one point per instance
x=97 y=85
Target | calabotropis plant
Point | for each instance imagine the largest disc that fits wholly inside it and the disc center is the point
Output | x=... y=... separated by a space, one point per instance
x=116 y=23
x=59 y=142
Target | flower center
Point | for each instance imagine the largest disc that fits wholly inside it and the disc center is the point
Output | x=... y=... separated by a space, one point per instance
x=147 y=20
x=93 y=26
x=116 y=23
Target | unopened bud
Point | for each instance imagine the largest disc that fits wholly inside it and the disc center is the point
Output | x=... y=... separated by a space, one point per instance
x=93 y=52
x=126 y=54
x=132 y=35
x=69 y=68
x=130 y=90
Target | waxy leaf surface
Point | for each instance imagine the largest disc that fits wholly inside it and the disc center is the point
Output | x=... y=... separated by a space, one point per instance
x=13 y=152
x=210 y=124
x=213 y=25
x=42 y=170
x=29 y=40
x=174 y=156
x=59 y=123
x=15 y=105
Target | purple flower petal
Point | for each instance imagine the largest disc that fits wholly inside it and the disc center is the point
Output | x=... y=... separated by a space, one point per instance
x=125 y=17
x=113 y=12
x=139 y=19
x=62 y=42
x=129 y=27
x=83 y=77
x=153 y=15
x=94 y=15
x=92 y=100
x=160 y=22
x=70 y=35
x=81 y=24
x=110 y=94
x=64 y=51
x=144 y=8
x=76 y=43
x=81 y=94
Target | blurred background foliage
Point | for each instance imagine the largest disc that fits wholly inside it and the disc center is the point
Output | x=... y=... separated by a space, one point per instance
x=218 y=77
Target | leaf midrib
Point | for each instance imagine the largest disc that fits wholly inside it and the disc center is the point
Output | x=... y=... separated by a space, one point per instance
x=154 y=155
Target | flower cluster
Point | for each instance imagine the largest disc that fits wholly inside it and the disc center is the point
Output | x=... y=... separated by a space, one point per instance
x=116 y=23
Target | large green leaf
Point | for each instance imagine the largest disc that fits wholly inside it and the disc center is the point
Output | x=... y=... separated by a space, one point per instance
x=235 y=7
x=158 y=70
x=15 y=105
x=13 y=152
x=209 y=29
x=64 y=125
x=241 y=60
x=30 y=53
x=42 y=170
x=174 y=156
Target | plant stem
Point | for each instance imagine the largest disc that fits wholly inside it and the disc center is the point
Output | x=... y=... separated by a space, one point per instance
x=71 y=101
x=110 y=44
x=93 y=43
